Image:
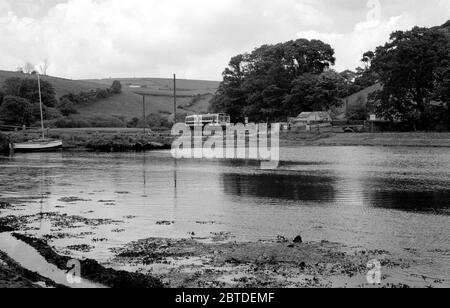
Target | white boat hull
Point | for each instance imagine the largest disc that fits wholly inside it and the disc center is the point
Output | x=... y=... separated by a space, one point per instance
x=41 y=145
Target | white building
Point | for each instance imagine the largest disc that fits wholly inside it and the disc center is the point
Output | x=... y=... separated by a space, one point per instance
x=310 y=121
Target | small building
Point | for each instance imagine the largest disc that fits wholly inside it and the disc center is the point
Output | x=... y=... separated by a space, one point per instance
x=312 y=121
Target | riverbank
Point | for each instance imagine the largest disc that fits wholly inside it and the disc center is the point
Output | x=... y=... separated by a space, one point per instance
x=122 y=139
x=102 y=140
x=411 y=139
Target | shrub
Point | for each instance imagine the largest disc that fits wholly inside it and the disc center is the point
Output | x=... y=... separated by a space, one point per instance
x=68 y=122
x=105 y=121
x=116 y=87
x=2 y=95
x=4 y=143
x=66 y=107
x=103 y=93
x=16 y=111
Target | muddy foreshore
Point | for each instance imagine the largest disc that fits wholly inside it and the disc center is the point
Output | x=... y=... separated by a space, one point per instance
x=214 y=262
x=13 y=275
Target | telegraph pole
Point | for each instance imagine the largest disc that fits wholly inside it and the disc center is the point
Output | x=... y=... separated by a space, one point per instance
x=175 y=98
x=143 y=111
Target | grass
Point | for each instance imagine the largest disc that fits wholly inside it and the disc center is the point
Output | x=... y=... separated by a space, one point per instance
x=411 y=139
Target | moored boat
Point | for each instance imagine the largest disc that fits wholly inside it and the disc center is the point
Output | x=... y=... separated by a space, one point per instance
x=37 y=145
x=42 y=144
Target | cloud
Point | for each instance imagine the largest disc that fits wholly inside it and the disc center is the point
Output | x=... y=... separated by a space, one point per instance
x=195 y=38
x=365 y=36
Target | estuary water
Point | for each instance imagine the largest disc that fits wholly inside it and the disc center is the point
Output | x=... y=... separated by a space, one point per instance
x=387 y=198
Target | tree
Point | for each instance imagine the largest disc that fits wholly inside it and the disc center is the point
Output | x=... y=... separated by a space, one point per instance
x=116 y=87
x=408 y=67
x=43 y=68
x=316 y=92
x=28 y=89
x=256 y=84
x=66 y=107
x=2 y=96
x=16 y=111
x=28 y=68
x=12 y=86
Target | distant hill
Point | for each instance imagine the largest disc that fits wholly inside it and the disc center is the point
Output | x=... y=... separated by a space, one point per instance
x=193 y=95
x=62 y=86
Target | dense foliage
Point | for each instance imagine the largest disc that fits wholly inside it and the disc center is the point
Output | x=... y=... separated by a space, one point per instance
x=16 y=111
x=414 y=69
x=28 y=89
x=277 y=81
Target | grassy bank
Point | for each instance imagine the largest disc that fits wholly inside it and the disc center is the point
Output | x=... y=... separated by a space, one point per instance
x=127 y=139
x=412 y=139
x=106 y=140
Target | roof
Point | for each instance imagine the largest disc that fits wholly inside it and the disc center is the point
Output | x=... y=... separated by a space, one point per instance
x=306 y=115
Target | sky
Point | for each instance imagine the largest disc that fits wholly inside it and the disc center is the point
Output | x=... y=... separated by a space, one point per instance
x=195 y=39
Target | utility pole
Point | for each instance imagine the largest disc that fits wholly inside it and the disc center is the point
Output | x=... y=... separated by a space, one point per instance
x=40 y=106
x=175 y=98
x=143 y=111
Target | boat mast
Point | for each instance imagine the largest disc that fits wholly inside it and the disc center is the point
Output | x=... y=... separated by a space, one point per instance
x=40 y=105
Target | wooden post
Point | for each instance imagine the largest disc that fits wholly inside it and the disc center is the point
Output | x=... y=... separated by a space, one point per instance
x=143 y=110
x=174 y=98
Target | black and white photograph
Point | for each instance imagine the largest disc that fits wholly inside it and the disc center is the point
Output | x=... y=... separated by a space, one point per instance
x=224 y=152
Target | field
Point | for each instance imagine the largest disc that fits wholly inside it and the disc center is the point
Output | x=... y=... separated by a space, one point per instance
x=193 y=95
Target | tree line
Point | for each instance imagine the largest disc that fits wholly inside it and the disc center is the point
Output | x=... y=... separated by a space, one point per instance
x=275 y=82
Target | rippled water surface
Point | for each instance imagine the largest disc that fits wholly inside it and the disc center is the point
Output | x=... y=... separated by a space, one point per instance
x=379 y=198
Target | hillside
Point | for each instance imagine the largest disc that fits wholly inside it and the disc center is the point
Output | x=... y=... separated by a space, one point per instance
x=62 y=86
x=193 y=95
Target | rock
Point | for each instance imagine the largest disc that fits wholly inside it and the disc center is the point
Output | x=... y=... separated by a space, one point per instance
x=281 y=239
x=298 y=240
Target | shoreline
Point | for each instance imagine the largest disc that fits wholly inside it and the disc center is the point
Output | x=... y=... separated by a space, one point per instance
x=128 y=140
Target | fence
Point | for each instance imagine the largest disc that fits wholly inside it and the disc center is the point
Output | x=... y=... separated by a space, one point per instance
x=11 y=128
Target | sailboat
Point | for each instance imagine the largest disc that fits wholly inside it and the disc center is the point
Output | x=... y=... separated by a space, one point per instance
x=42 y=144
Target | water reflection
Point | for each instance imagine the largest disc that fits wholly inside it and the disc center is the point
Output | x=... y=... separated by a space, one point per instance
x=401 y=195
x=281 y=186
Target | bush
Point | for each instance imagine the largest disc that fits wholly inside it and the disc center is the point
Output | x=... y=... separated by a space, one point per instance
x=106 y=121
x=68 y=122
x=48 y=113
x=357 y=113
x=4 y=143
x=116 y=87
x=66 y=107
x=16 y=111
x=103 y=93
x=77 y=121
